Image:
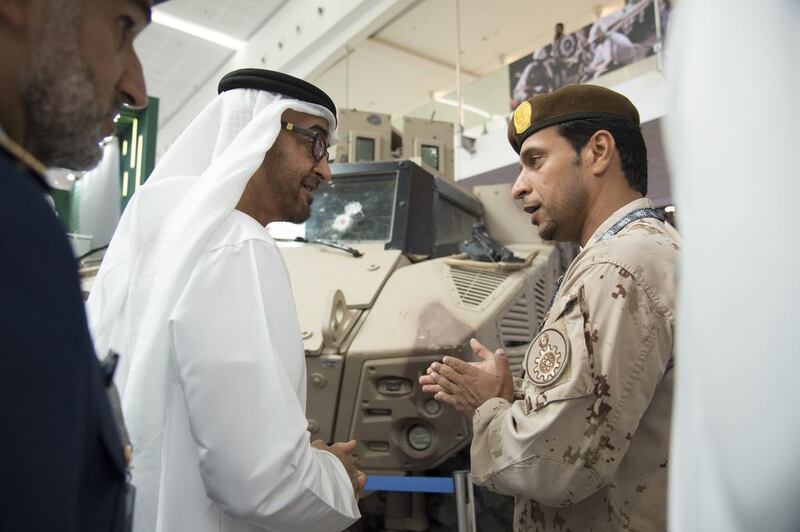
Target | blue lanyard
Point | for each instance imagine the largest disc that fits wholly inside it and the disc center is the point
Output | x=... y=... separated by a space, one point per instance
x=623 y=222
x=631 y=217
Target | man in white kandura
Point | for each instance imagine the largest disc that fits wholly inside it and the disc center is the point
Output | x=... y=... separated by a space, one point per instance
x=194 y=295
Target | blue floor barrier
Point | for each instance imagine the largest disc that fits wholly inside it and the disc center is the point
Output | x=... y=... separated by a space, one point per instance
x=410 y=484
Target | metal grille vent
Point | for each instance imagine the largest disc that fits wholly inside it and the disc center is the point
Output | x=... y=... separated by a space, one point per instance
x=475 y=286
x=540 y=301
x=515 y=325
x=517 y=331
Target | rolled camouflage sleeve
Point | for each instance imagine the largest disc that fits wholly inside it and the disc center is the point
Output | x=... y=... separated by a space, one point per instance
x=609 y=344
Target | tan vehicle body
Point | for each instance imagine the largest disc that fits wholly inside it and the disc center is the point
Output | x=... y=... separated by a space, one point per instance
x=373 y=324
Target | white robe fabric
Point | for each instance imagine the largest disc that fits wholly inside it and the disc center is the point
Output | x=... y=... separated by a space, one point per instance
x=235 y=440
x=207 y=456
x=732 y=139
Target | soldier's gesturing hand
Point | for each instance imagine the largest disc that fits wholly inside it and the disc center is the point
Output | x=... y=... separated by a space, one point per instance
x=465 y=385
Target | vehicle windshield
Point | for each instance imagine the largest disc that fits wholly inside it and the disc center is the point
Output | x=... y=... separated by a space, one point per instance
x=353 y=208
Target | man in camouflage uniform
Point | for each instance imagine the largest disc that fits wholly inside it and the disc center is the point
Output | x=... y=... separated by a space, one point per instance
x=582 y=440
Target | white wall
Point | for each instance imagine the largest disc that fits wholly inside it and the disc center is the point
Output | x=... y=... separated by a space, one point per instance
x=491 y=150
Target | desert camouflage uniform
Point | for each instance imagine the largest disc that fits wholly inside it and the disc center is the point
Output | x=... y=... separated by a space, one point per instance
x=586 y=448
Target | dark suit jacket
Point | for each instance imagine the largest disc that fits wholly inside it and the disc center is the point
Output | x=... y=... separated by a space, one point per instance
x=61 y=460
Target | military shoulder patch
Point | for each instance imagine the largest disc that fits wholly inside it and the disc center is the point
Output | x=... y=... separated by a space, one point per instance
x=547 y=357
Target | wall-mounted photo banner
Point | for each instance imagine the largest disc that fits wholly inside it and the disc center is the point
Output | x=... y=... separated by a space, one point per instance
x=614 y=41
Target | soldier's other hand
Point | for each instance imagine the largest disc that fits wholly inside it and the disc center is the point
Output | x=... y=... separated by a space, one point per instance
x=344 y=452
x=427 y=382
x=466 y=386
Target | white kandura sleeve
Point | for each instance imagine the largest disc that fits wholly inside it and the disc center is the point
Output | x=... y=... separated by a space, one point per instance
x=244 y=411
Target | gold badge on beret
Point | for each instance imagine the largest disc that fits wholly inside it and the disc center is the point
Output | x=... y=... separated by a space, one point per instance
x=547 y=357
x=522 y=117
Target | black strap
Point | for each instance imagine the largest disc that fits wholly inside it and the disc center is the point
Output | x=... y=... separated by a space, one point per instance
x=629 y=218
x=278 y=82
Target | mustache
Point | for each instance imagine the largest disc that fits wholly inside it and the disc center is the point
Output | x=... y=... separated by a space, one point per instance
x=311 y=181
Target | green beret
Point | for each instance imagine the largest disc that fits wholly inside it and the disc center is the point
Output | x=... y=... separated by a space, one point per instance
x=572 y=102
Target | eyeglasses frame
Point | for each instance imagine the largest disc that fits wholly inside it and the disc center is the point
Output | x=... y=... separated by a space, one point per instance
x=312 y=134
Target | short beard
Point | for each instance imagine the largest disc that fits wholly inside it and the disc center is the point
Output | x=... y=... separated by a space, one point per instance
x=548 y=231
x=285 y=187
x=298 y=213
x=64 y=118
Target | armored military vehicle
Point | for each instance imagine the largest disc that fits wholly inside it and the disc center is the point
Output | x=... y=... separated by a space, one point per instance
x=383 y=288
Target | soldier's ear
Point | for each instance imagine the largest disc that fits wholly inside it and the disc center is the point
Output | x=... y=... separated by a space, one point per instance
x=601 y=146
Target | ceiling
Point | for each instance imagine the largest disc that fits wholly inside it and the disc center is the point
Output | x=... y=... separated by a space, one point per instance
x=177 y=64
x=397 y=69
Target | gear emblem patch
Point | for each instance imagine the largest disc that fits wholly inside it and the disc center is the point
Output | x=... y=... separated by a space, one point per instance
x=547 y=357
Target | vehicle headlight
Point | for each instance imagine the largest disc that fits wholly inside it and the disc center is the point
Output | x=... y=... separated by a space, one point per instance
x=419 y=437
x=432 y=407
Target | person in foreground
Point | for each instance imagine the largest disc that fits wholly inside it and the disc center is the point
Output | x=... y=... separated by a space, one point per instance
x=736 y=431
x=66 y=68
x=582 y=439
x=196 y=294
